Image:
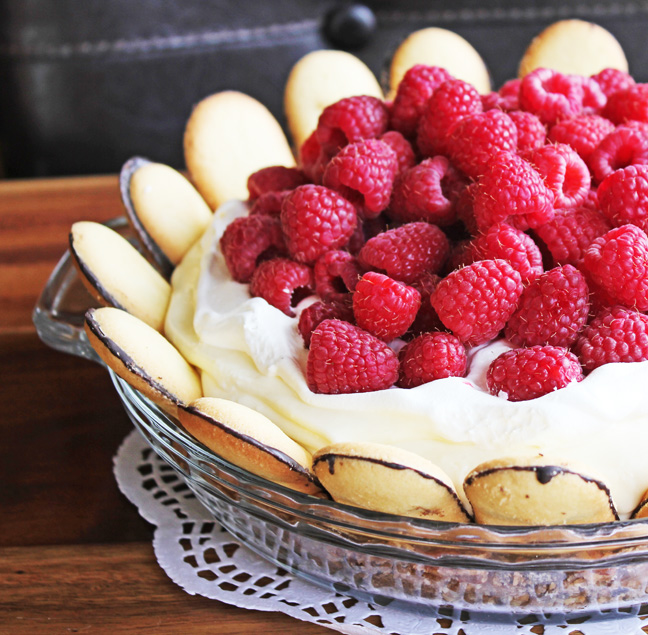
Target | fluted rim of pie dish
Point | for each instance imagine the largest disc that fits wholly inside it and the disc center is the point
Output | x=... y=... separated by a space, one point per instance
x=312 y=510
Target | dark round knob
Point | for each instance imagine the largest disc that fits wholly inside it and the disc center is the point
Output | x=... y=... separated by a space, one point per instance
x=350 y=26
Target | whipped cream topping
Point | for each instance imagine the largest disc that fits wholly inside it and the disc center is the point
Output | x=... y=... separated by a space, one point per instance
x=252 y=353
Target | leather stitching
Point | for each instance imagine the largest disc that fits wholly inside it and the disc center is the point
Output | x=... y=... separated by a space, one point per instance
x=259 y=36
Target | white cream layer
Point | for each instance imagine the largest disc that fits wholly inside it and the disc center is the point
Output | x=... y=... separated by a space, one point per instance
x=252 y=353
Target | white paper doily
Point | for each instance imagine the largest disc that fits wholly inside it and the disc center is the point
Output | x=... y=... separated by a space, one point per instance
x=202 y=558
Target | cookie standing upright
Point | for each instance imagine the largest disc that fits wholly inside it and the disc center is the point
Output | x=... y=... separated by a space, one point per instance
x=229 y=136
x=319 y=79
x=434 y=46
x=574 y=46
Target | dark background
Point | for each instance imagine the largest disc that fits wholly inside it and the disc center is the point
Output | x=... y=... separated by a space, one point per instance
x=86 y=84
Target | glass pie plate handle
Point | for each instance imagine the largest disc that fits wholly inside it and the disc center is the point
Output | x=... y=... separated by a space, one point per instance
x=489 y=574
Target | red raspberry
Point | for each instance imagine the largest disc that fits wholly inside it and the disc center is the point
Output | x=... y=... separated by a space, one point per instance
x=314 y=314
x=406 y=252
x=402 y=147
x=582 y=133
x=283 y=283
x=269 y=203
x=431 y=356
x=511 y=187
x=507 y=243
x=336 y=274
x=426 y=319
x=465 y=208
x=552 y=310
x=570 y=232
x=623 y=196
x=476 y=139
x=419 y=193
x=510 y=88
x=594 y=99
x=564 y=172
x=316 y=220
x=416 y=87
x=612 y=80
x=629 y=104
x=274 y=179
x=450 y=102
x=618 y=262
x=364 y=173
x=312 y=159
x=615 y=335
x=345 y=359
x=531 y=132
x=383 y=306
x=526 y=373
x=247 y=241
x=624 y=146
x=551 y=95
x=477 y=301
x=350 y=120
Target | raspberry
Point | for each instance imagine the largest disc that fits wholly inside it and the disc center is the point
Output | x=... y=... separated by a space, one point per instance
x=551 y=95
x=531 y=132
x=314 y=314
x=465 y=208
x=350 y=120
x=475 y=139
x=336 y=274
x=247 y=241
x=419 y=193
x=406 y=252
x=476 y=302
x=282 y=282
x=269 y=203
x=628 y=104
x=564 y=172
x=594 y=99
x=618 y=262
x=623 y=196
x=345 y=359
x=274 y=179
x=416 y=87
x=364 y=173
x=405 y=156
x=507 y=243
x=624 y=146
x=511 y=187
x=431 y=356
x=510 y=88
x=612 y=80
x=383 y=306
x=570 y=232
x=527 y=373
x=552 y=310
x=615 y=335
x=426 y=319
x=311 y=158
x=315 y=220
x=582 y=133
x=450 y=102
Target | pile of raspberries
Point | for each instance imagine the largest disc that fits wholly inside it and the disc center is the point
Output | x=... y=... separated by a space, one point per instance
x=444 y=219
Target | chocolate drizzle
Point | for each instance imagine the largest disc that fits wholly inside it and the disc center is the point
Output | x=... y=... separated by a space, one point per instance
x=544 y=473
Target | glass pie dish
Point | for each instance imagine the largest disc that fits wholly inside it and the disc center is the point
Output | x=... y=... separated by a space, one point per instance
x=491 y=573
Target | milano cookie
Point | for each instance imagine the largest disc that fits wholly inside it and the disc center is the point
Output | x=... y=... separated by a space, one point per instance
x=439 y=47
x=117 y=275
x=387 y=479
x=536 y=491
x=248 y=439
x=142 y=357
x=574 y=46
x=229 y=136
x=318 y=80
x=165 y=210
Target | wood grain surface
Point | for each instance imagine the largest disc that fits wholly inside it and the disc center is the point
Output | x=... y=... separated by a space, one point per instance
x=75 y=556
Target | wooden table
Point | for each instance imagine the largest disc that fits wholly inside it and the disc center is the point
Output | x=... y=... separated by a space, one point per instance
x=75 y=556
